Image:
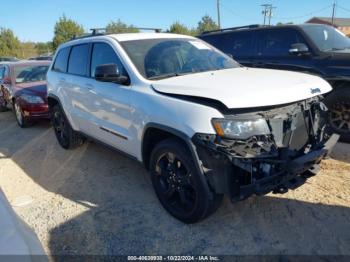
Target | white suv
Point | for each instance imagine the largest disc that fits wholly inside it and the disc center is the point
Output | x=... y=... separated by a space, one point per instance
x=202 y=124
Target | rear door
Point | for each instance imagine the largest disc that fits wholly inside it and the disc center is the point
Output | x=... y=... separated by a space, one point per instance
x=240 y=45
x=74 y=85
x=273 y=47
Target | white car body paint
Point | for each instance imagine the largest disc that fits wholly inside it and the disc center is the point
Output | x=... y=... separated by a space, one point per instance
x=126 y=110
x=16 y=237
x=246 y=87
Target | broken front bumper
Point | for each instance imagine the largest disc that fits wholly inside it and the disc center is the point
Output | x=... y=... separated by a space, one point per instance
x=296 y=173
x=243 y=177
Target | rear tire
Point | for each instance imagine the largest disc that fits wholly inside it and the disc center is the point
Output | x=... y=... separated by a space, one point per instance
x=338 y=104
x=66 y=136
x=178 y=184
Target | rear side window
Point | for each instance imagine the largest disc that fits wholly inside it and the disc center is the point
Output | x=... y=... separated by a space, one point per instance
x=61 y=61
x=103 y=54
x=237 y=44
x=277 y=42
x=78 y=60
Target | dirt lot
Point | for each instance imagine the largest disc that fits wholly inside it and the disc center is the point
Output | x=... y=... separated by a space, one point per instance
x=95 y=201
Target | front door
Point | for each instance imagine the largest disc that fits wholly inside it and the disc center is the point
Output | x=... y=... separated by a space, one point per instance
x=108 y=103
x=273 y=51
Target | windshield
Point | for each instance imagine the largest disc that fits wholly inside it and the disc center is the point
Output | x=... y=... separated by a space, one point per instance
x=31 y=73
x=327 y=38
x=163 y=58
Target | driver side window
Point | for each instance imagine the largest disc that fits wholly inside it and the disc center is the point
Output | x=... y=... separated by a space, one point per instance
x=277 y=42
x=103 y=54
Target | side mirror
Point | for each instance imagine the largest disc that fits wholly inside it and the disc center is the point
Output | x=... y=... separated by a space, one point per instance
x=110 y=73
x=299 y=49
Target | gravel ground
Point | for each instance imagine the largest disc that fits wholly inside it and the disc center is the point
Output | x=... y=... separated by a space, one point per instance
x=95 y=201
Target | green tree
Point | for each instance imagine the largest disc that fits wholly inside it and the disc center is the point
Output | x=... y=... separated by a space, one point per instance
x=9 y=43
x=43 y=48
x=178 y=28
x=28 y=50
x=117 y=27
x=65 y=29
x=207 y=24
x=280 y=23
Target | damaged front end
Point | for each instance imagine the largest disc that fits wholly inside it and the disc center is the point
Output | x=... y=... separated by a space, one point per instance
x=257 y=151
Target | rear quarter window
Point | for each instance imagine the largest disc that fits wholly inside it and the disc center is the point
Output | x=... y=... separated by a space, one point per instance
x=61 y=61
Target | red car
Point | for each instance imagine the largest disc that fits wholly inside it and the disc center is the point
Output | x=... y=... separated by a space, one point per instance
x=23 y=88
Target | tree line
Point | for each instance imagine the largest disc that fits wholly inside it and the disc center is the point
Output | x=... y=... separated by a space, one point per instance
x=66 y=28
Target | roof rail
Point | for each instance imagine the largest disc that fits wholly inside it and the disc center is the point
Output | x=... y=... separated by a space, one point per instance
x=233 y=28
x=103 y=31
x=156 y=30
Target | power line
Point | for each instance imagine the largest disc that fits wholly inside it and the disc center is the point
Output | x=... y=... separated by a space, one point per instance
x=343 y=8
x=305 y=15
x=251 y=19
x=236 y=14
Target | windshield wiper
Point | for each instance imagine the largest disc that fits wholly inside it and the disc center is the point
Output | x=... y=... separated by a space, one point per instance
x=158 y=77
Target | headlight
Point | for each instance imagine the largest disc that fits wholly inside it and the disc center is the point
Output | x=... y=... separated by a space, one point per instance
x=32 y=99
x=240 y=129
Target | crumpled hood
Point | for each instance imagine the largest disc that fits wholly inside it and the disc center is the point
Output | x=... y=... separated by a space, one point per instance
x=246 y=87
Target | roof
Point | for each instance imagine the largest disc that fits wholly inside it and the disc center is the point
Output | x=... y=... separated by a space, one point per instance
x=27 y=63
x=328 y=20
x=141 y=36
x=124 y=37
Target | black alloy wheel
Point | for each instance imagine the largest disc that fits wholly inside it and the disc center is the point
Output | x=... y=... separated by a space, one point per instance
x=182 y=190
x=175 y=184
x=66 y=136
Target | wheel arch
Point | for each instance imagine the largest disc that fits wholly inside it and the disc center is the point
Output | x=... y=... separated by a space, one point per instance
x=53 y=100
x=154 y=133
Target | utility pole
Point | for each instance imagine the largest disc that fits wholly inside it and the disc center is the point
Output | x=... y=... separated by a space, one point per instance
x=267 y=12
x=218 y=8
x=333 y=12
x=270 y=13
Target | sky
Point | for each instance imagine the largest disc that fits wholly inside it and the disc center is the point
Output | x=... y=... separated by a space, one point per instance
x=34 y=20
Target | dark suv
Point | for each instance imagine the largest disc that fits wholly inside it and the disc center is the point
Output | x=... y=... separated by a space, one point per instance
x=311 y=48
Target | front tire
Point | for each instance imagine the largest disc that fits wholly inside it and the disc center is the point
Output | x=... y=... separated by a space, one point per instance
x=21 y=119
x=178 y=184
x=66 y=136
x=338 y=104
